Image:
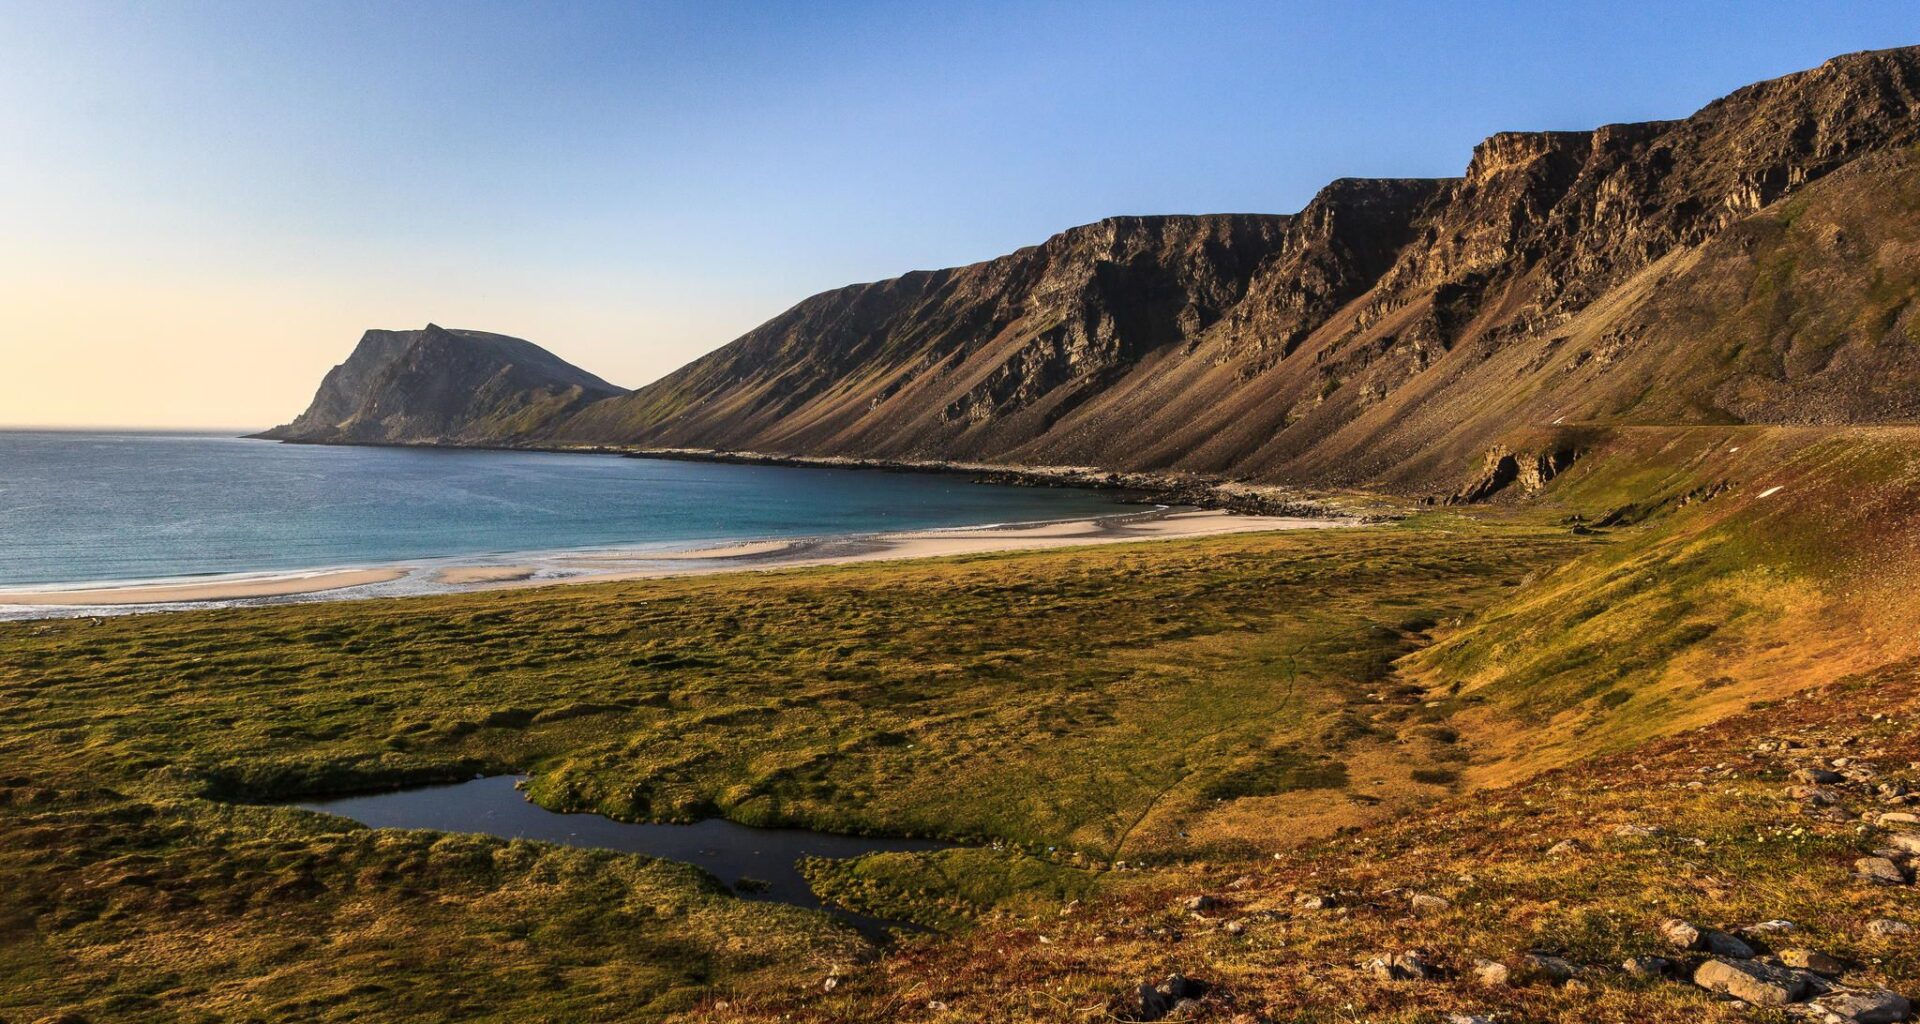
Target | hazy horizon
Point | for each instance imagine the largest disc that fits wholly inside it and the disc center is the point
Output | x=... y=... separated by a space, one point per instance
x=218 y=198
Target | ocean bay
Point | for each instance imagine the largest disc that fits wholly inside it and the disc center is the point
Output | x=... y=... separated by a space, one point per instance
x=85 y=508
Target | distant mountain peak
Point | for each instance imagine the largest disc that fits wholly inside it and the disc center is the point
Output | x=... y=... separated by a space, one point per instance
x=439 y=385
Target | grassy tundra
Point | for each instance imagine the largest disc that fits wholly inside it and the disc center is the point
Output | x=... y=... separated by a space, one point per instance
x=1425 y=707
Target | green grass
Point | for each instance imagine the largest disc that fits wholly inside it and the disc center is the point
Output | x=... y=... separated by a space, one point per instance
x=1094 y=701
x=1704 y=581
x=950 y=889
x=1196 y=709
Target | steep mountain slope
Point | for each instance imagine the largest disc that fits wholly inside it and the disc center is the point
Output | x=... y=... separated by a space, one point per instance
x=437 y=385
x=1757 y=262
x=1388 y=334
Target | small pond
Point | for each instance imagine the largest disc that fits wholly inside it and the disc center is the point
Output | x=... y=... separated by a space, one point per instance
x=728 y=851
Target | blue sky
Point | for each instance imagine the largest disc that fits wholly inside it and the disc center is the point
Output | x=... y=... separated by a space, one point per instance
x=204 y=203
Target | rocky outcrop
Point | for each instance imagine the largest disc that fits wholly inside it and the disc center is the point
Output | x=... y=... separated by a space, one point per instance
x=437 y=385
x=1530 y=470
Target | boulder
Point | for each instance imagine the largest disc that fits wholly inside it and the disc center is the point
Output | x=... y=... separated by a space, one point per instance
x=1758 y=983
x=1886 y=927
x=1722 y=944
x=1906 y=842
x=1679 y=934
x=1565 y=847
x=1315 y=901
x=1813 y=960
x=1196 y=904
x=1177 y=995
x=1425 y=904
x=1818 y=776
x=1491 y=973
x=1551 y=969
x=1648 y=966
x=1892 y=818
x=1856 y=1006
x=1880 y=871
x=1407 y=966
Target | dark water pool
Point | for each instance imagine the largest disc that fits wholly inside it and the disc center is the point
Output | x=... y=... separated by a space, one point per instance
x=730 y=852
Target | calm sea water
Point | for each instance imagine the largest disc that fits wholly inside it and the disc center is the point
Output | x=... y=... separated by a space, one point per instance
x=83 y=507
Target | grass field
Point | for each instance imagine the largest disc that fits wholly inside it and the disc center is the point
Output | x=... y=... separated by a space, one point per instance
x=1114 y=730
x=1129 y=702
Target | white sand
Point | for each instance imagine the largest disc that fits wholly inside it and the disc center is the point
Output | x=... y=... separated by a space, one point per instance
x=466 y=575
x=213 y=590
x=936 y=543
x=603 y=566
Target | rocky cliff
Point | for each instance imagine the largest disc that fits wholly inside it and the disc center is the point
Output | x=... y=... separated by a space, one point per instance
x=441 y=386
x=1752 y=262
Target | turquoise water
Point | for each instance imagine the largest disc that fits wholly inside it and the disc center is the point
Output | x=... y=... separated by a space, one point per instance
x=88 y=507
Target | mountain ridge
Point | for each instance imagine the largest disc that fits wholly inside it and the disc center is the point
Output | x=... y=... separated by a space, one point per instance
x=1392 y=334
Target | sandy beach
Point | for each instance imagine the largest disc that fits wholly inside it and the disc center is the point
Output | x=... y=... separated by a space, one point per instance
x=767 y=555
x=468 y=575
x=212 y=590
x=562 y=568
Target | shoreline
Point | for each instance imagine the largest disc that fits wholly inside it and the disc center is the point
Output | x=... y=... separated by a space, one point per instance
x=253 y=585
x=425 y=577
x=1141 y=487
x=1158 y=524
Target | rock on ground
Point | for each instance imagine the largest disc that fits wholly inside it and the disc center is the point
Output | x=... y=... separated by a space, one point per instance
x=1648 y=966
x=1408 y=966
x=1880 y=871
x=1550 y=969
x=1813 y=960
x=1722 y=944
x=1679 y=934
x=1757 y=983
x=1905 y=842
x=1177 y=995
x=1868 y=1007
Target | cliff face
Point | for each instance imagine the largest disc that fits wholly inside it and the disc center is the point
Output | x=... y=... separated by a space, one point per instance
x=444 y=386
x=979 y=355
x=1391 y=333
x=1752 y=262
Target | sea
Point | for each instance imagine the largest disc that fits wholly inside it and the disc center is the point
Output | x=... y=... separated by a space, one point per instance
x=85 y=508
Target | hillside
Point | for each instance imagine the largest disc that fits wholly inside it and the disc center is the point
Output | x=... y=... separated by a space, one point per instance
x=437 y=385
x=1392 y=331
x=1752 y=263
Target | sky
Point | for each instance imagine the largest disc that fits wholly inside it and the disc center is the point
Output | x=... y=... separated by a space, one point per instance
x=203 y=204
